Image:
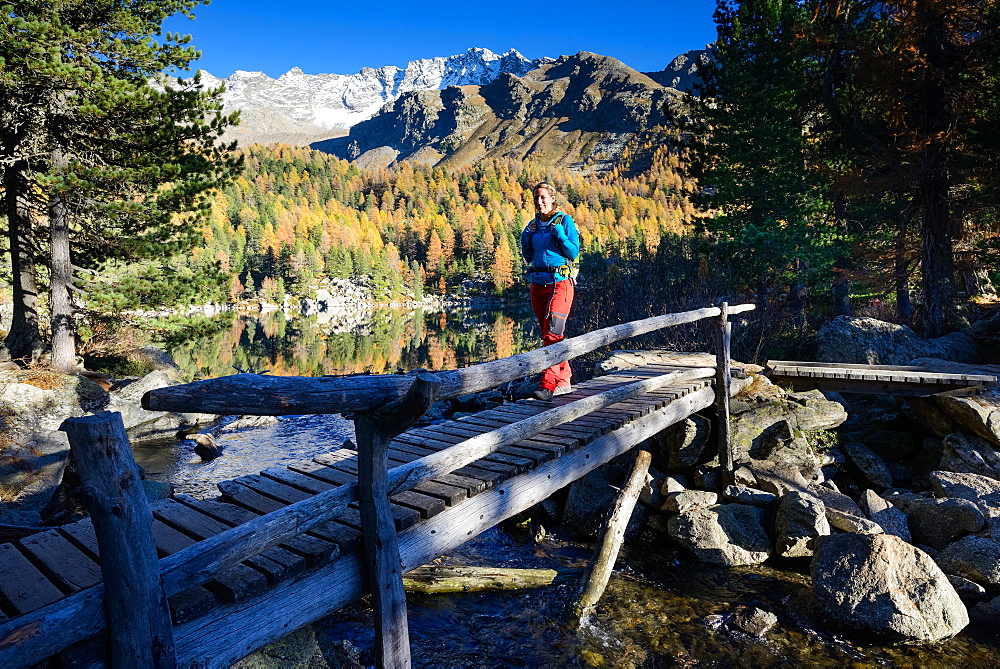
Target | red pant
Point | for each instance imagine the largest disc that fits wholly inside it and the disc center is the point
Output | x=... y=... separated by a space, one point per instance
x=551 y=303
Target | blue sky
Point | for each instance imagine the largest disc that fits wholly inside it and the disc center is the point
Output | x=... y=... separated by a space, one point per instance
x=342 y=37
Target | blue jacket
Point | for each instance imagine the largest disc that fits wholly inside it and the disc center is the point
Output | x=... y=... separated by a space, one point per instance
x=549 y=245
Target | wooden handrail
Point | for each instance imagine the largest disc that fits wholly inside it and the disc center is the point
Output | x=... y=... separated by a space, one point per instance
x=254 y=394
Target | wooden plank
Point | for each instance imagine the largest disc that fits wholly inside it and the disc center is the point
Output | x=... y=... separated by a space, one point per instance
x=82 y=535
x=548 y=449
x=869 y=387
x=60 y=559
x=488 y=470
x=287 y=495
x=23 y=588
x=275 y=563
x=233 y=585
x=314 y=550
x=440 y=433
x=467 y=431
x=449 y=494
x=253 y=625
x=470 y=484
x=722 y=331
x=348 y=538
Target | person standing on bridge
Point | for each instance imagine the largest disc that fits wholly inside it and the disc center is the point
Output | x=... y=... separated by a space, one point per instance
x=550 y=243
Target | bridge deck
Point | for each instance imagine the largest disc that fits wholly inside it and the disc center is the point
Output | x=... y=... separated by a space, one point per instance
x=874 y=379
x=45 y=567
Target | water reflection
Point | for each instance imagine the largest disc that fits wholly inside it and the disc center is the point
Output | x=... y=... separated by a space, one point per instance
x=377 y=342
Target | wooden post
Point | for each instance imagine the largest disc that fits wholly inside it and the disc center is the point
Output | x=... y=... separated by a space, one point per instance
x=598 y=573
x=723 y=333
x=134 y=597
x=374 y=430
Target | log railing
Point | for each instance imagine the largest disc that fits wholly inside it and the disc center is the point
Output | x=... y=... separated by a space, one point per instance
x=384 y=406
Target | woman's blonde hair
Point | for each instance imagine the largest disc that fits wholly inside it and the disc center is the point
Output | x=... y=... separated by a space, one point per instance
x=547 y=186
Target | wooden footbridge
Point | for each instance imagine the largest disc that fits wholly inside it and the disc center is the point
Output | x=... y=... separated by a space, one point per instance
x=190 y=582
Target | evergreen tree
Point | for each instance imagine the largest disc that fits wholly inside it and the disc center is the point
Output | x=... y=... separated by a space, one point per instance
x=117 y=166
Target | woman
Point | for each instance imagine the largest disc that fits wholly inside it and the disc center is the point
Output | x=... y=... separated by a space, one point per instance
x=548 y=243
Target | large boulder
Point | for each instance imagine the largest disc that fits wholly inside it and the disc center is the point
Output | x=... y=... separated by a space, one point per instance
x=800 y=519
x=879 y=586
x=888 y=517
x=935 y=521
x=869 y=341
x=968 y=453
x=33 y=452
x=588 y=502
x=143 y=425
x=727 y=535
x=687 y=443
x=870 y=465
x=978 y=415
x=981 y=490
x=761 y=422
x=974 y=558
x=842 y=512
x=787 y=444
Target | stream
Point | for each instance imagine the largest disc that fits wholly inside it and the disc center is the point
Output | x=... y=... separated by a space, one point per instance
x=661 y=609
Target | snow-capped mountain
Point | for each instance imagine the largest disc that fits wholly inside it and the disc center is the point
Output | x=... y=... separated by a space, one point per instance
x=300 y=108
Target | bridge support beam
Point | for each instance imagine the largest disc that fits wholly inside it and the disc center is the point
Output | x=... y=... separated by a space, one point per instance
x=374 y=430
x=723 y=333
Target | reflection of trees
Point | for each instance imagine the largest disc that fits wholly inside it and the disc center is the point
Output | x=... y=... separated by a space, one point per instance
x=389 y=341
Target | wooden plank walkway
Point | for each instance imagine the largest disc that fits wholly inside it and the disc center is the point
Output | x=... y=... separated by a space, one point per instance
x=873 y=379
x=47 y=566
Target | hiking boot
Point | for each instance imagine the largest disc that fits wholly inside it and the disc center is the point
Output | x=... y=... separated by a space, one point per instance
x=543 y=394
x=562 y=390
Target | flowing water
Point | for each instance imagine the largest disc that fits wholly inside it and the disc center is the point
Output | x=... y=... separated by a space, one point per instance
x=660 y=608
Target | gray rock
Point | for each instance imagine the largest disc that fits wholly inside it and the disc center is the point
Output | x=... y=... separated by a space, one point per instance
x=774 y=477
x=142 y=425
x=674 y=483
x=708 y=477
x=800 y=519
x=931 y=416
x=742 y=494
x=982 y=490
x=688 y=500
x=587 y=505
x=969 y=453
x=872 y=466
x=975 y=558
x=889 y=518
x=687 y=443
x=752 y=620
x=978 y=415
x=868 y=341
x=814 y=411
x=969 y=591
x=727 y=535
x=935 y=521
x=206 y=446
x=843 y=513
x=157 y=490
x=787 y=444
x=882 y=587
x=249 y=423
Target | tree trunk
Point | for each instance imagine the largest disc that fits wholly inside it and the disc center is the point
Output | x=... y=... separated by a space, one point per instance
x=23 y=341
x=901 y=275
x=61 y=301
x=841 y=282
x=937 y=260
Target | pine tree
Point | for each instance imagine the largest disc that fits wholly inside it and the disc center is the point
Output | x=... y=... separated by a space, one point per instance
x=118 y=165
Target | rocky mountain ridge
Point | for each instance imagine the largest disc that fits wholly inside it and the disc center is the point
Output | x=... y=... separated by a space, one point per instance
x=298 y=108
x=576 y=111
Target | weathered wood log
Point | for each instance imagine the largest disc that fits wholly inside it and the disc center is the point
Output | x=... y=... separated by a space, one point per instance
x=254 y=394
x=437 y=579
x=723 y=334
x=374 y=430
x=134 y=596
x=56 y=626
x=231 y=632
x=598 y=573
